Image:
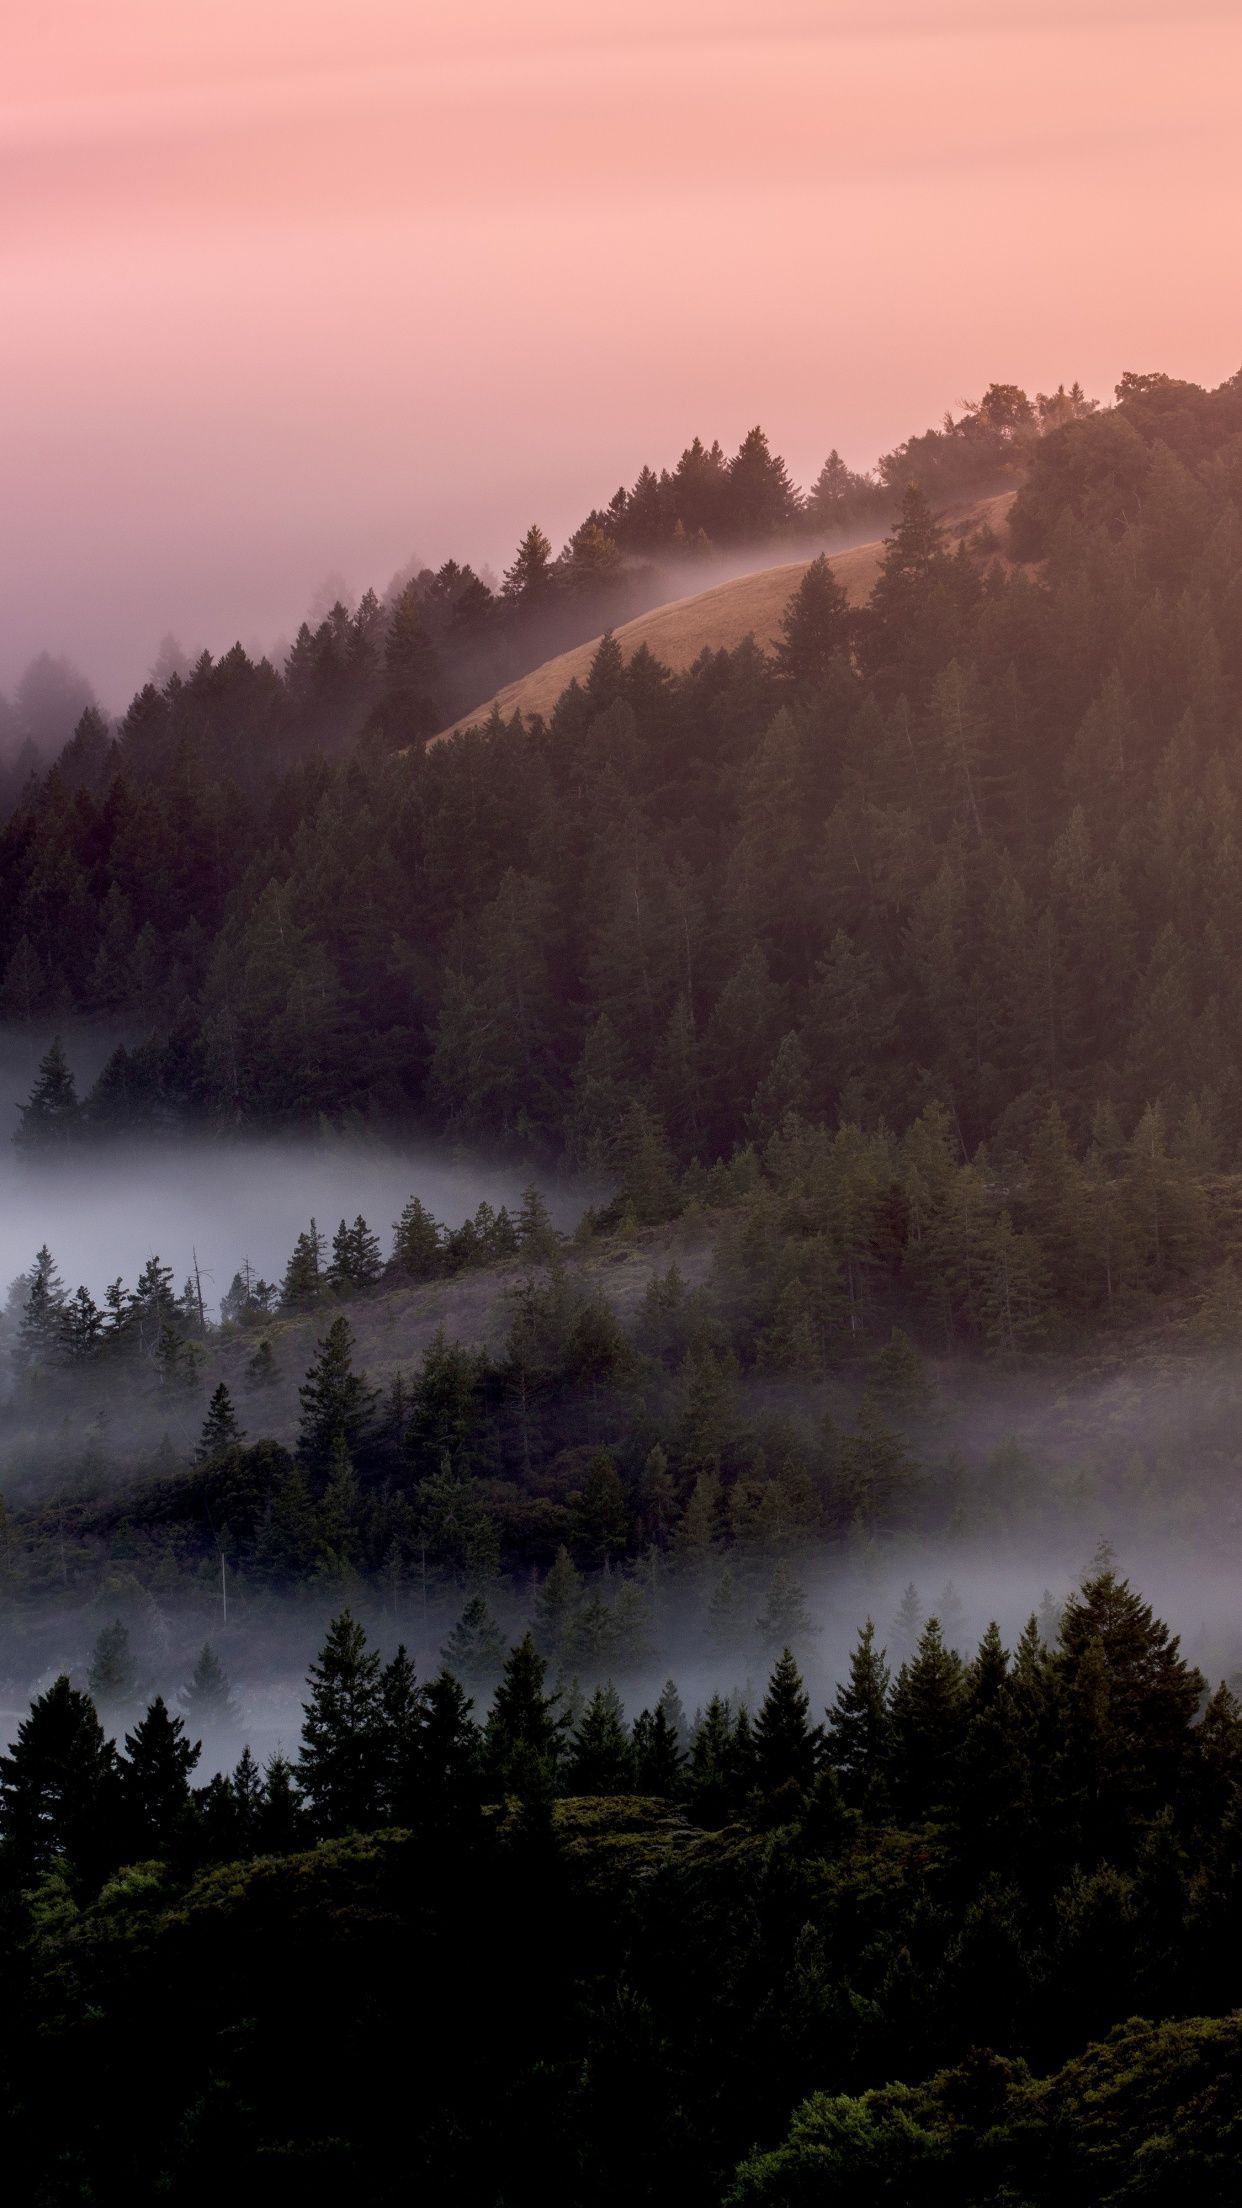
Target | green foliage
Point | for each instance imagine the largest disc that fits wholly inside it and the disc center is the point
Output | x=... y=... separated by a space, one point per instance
x=341 y=1755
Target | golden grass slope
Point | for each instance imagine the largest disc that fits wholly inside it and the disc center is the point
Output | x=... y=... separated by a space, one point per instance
x=714 y=620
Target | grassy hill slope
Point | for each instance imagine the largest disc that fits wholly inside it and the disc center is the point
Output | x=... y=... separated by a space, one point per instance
x=716 y=620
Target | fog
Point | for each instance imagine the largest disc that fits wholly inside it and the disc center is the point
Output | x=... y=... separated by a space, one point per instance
x=266 y=1646
x=104 y=1211
x=263 y=319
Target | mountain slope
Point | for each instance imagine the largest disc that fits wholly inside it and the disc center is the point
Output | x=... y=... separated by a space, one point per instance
x=714 y=620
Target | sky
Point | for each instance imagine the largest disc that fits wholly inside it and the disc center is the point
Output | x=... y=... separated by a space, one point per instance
x=292 y=289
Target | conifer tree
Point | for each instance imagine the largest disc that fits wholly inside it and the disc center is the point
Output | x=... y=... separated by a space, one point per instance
x=815 y=628
x=221 y=1429
x=536 y=1235
x=1128 y=1700
x=402 y=1710
x=558 y=1603
x=523 y=1735
x=113 y=1674
x=711 y=1781
x=475 y=1649
x=601 y=1754
x=670 y=1704
x=412 y=675
x=207 y=1699
x=51 y=1117
x=341 y=1756
x=657 y=1499
x=602 y=1520
x=787 y=1746
x=417 y=1251
x=281 y=1821
x=356 y=1259
x=528 y=582
x=786 y=1618
x=909 y=1621
x=727 y=1619
x=155 y=1780
x=337 y=1404
x=860 y=1737
x=929 y=1715
x=304 y=1274
x=658 y=1756
x=57 y=1784
x=340 y=1510
x=247 y=1780
x=41 y=1328
x=451 y=1770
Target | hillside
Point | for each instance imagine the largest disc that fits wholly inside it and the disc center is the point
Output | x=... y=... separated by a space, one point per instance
x=713 y=620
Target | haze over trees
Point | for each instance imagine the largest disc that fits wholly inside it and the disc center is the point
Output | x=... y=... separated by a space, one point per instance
x=885 y=987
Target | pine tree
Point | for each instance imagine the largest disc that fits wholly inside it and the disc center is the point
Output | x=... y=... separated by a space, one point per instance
x=417 y=1243
x=711 y=1783
x=412 y=677
x=929 y=1716
x=529 y=580
x=155 y=1781
x=787 y=1746
x=57 y=1784
x=451 y=1772
x=522 y=1739
x=860 y=1735
x=1129 y=1700
x=601 y=1518
x=536 y=1235
x=911 y=624
x=658 y=1756
x=727 y=1619
x=337 y=1404
x=761 y=498
x=248 y=1801
x=657 y=1499
x=41 y=1328
x=281 y=1820
x=304 y=1274
x=815 y=628
x=221 y=1430
x=356 y=1259
x=898 y=1381
x=909 y=1621
x=51 y=1117
x=670 y=1704
x=401 y=1710
x=207 y=1700
x=113 y=1675
x=786 y=1618
x=217 y=1833
x=340 y=1512
x=558 y=1603
x=341 y=1756
x=475 y=1649
x=601 y=1754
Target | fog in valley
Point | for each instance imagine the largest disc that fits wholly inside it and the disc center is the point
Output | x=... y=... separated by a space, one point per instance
x=104 y=1211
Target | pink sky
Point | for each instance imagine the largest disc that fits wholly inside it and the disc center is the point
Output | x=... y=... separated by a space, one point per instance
x=289 y=287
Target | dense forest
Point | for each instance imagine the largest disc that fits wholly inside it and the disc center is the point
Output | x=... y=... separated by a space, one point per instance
x=971 y=845
x=880 y=994
x=964 y=1871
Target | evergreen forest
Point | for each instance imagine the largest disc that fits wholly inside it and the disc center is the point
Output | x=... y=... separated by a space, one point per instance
x=645 y=1706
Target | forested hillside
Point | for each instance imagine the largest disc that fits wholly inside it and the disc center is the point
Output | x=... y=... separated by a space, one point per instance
x=882 y=992
x=973 y=845
x=553 y=1954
